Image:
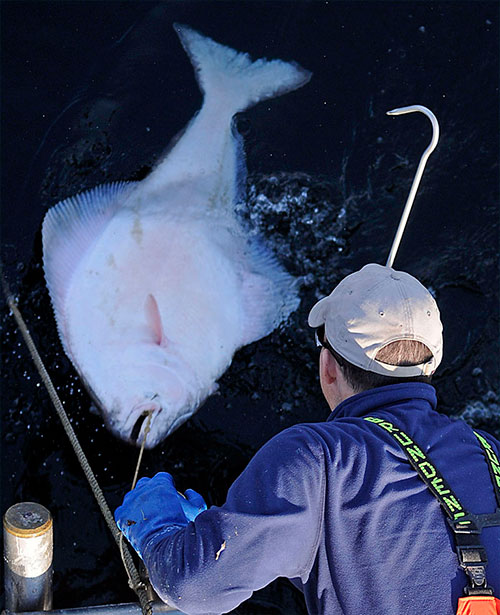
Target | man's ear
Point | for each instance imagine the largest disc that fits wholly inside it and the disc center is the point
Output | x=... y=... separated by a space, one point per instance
x=328 y=366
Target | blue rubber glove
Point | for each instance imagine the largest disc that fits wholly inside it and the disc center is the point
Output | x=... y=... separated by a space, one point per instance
x=156 y=506
x=192 y=504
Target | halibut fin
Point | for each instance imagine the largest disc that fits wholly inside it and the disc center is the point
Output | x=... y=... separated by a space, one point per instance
x=69 y=230
x=153 y=318
x=270 y=294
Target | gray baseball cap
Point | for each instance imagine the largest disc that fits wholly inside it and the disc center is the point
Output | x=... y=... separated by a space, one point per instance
x=374 y=307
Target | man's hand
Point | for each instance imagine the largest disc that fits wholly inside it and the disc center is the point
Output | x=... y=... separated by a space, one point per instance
x=156 y=506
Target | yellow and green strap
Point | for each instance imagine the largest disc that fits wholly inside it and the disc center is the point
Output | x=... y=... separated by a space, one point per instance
x=493 y=464
x=466 y=526
x=431 y=475
x=425 y=469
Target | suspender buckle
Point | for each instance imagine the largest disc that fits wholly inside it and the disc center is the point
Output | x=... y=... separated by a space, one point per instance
x=478 y=585
x=471 y=553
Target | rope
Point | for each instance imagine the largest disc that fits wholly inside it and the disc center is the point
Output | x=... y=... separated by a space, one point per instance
x=146 y=431
x=134 y=579
x=134 y=481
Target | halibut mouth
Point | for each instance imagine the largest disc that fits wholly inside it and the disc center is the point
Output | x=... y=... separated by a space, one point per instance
x=137 y=427
x=147 y=413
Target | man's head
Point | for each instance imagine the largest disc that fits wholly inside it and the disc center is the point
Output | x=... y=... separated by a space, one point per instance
x=379 y=326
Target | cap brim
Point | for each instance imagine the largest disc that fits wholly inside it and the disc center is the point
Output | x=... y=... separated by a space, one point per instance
x=317 y=315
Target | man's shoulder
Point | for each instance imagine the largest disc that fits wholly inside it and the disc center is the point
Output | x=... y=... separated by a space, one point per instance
x=300 y=433
x=303 y=441
x=319 y=436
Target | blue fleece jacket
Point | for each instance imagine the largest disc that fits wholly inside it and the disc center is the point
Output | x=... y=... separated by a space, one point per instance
x=337 y=508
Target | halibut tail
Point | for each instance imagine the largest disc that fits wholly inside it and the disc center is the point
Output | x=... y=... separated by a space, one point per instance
x=224 y=73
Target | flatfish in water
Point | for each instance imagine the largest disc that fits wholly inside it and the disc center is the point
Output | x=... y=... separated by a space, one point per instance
x=156 y=284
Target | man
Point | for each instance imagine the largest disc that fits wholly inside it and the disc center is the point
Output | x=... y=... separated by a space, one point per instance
x=336 y=506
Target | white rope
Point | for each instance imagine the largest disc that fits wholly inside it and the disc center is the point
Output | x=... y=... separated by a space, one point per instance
x=134 y=481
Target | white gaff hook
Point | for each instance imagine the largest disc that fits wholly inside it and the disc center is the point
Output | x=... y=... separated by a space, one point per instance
x=418 y=174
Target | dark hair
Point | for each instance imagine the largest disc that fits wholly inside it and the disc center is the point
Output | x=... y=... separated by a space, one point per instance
x=361 y=379
x=403 y=353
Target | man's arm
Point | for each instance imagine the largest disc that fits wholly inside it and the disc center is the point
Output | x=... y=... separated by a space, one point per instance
x=268 y=527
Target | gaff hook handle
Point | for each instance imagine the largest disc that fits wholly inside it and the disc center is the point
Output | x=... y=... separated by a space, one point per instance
x=418 y=174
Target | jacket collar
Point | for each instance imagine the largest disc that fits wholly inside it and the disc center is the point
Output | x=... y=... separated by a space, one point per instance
x=414 y=394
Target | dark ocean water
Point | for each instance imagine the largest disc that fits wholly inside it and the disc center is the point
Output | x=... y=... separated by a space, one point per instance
x=93 y=92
